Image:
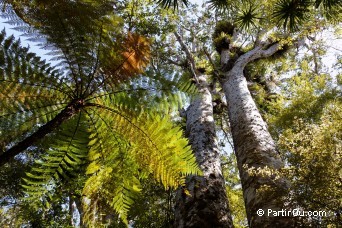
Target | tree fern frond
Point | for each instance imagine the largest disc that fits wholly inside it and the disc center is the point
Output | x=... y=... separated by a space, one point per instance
x=154 y=139
x=117 y=183
x=124 y=147
x=65 y=156
x=86 y=120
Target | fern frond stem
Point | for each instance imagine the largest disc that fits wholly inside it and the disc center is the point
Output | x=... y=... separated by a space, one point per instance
x=74 y=76
x=96 y=130
x=107 y=125
x=65 y=55
x=71 y=139
x=123 y=116
x=92 y=75
x=73 y=108
x=36 y=85
x=27 y=110
x=45 y=114
x=38 y=66
x=115 y=92
x=13 y=135
x=118 y=68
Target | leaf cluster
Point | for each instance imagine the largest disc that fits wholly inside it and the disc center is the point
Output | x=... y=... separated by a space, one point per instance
x=89 y=120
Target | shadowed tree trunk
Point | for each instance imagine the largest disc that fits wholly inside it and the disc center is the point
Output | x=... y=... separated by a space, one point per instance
x=203 y=201
x=257 y=157
x=70 y=110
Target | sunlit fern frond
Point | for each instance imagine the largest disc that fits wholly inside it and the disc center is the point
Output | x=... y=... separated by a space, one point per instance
x=86 y=38
x=31 y=91
x=66 y=155
x=137 y=52
x=165 y=92
x=86 y=114
x=116 y=183
x=124 y=149
x=134 y=59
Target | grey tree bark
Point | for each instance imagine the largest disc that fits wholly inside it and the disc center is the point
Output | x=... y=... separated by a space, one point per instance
x=258 y=160
x=203 y=201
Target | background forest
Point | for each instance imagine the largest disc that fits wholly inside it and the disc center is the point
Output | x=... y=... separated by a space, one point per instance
x=170 y=114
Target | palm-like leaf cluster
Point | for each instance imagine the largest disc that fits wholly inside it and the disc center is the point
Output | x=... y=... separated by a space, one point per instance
x=81 y=112
x=287 y=13
x=291 y=13
x=247 y=17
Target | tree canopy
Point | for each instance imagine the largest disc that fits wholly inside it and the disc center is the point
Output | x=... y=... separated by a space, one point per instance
x=104 y=128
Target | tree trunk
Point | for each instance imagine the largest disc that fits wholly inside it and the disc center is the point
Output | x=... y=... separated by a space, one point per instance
x=79 y=207
x=203 y=201
x=69 y=111
x=257 y=157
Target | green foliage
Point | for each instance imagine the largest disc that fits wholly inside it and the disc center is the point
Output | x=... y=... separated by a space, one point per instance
x=251 y=16
x=86 y=114
x=291 y=12
x=29 y=90
x=306 y=118
x=219 y=5
x=315 y=155
x=248 y=17
x=152 y=148
x=222 y=35
x=159 y=202
x=234 y=190
x=65 y=155
x=172 y=3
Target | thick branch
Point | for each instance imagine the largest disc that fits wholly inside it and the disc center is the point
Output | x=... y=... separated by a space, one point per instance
x=257 y=53
x=47 y=128
x=188 y=56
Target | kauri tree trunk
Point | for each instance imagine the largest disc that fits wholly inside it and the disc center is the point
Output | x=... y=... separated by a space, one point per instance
x=203 y=201
x=258 y=160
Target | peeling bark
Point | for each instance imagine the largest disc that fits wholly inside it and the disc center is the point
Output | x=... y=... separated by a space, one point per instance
x=254 y=147
x=203 y=201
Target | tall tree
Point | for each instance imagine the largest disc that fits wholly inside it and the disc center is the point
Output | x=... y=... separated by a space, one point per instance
x=203 y=201
x=258 y=160
x=248 y=33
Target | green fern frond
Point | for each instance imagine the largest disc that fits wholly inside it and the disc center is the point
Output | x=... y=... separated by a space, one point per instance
x=31 y=92
x=140 y=145
x=86 y=114
x=65 y=157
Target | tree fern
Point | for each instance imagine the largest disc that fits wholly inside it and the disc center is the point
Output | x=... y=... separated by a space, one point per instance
x=66 y=153
x=84 y=111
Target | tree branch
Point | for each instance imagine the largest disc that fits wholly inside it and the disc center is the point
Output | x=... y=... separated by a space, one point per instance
x=257 y=53
x=188 y=56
